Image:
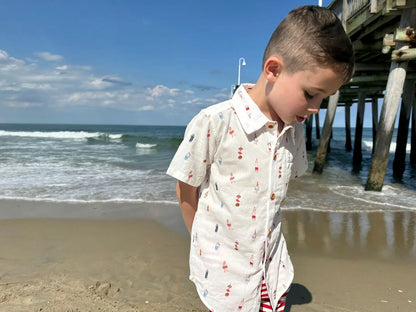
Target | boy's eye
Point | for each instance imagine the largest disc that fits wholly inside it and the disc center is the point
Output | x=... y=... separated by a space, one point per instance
x=308 y=96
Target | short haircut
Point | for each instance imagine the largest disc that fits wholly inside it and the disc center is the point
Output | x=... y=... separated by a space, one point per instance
x=311 y=36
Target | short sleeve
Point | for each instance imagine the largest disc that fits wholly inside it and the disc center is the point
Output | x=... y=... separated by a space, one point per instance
x=194 y=155
x=300 y=160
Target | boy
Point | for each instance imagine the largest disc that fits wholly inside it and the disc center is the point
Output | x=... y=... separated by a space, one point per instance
x=236 y=159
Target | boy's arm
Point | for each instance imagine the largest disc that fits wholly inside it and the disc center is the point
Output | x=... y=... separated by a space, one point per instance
x=188 y=201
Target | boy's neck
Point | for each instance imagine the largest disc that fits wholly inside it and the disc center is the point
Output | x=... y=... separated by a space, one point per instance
x=258 y=94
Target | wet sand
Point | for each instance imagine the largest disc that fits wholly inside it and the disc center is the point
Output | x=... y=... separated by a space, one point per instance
x=134 y=257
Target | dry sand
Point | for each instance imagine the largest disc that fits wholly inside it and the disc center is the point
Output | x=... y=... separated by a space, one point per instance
x=343 y=262
x=93 y=265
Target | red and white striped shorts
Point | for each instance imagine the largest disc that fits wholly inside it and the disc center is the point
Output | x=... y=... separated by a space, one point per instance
x=265 y=304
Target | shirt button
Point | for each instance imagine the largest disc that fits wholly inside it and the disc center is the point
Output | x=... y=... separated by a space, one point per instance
x=270 y=125
x=272 y=196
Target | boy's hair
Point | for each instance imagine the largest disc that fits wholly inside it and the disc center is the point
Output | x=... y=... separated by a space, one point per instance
x=312 y=36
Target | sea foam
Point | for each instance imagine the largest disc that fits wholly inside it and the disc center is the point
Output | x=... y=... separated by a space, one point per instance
x=145 y=146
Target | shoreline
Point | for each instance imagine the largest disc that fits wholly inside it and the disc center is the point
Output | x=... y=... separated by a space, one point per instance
x=166 y=214
x=134 y=257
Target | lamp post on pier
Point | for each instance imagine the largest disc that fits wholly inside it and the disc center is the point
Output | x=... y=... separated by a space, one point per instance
x=241 y=61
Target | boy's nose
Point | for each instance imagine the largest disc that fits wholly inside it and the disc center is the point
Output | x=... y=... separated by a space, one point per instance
x=313 y=111
x=314 y=106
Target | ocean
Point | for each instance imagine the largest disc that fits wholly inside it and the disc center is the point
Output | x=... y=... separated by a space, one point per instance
x=112 y=163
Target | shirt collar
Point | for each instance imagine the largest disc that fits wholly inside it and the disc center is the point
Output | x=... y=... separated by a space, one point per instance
x=250 y=115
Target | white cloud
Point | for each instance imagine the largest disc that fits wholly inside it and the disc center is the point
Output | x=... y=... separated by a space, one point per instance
x=25 y=84
x=161 y=90
x=63 y=67
x=99 y=83
x=38 y=86
x=47 y=56
x=22 y=105
x=3 y=55
x=8 y=63
x=107 y=82
x=146 y=108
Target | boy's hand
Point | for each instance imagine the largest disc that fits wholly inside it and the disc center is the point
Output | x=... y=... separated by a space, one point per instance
x=188 y=201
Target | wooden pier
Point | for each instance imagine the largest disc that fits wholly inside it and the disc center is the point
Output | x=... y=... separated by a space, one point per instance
x=384 y=40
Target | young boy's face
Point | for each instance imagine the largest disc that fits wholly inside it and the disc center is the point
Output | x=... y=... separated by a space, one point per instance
x=295 y=96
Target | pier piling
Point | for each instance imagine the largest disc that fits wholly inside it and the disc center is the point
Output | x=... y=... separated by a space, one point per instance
x=326 y=133
x=358 y=155
x=388 y=114
x=374 y=110
x=318 y=132
x=413 y=138
x=308 y=124
x=386 y=124
x=348 y=146
x=403 y=130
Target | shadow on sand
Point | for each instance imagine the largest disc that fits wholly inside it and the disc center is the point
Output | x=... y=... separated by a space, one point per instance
x=298 y=295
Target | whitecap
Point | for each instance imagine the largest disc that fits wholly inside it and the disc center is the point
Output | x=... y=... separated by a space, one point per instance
x=145 y=146
x=368 y=145
x=52 y=134
x=115 y=136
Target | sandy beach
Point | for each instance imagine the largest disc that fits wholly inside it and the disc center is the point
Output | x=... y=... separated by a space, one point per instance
x=133 y=257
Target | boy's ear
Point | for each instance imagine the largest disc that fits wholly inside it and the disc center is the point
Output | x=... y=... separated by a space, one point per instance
x=272 y=68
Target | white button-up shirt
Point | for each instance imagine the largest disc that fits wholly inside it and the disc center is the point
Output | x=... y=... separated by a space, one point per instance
x=232 y=152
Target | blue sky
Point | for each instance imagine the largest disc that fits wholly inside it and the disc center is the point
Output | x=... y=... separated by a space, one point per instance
x=128 y=62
